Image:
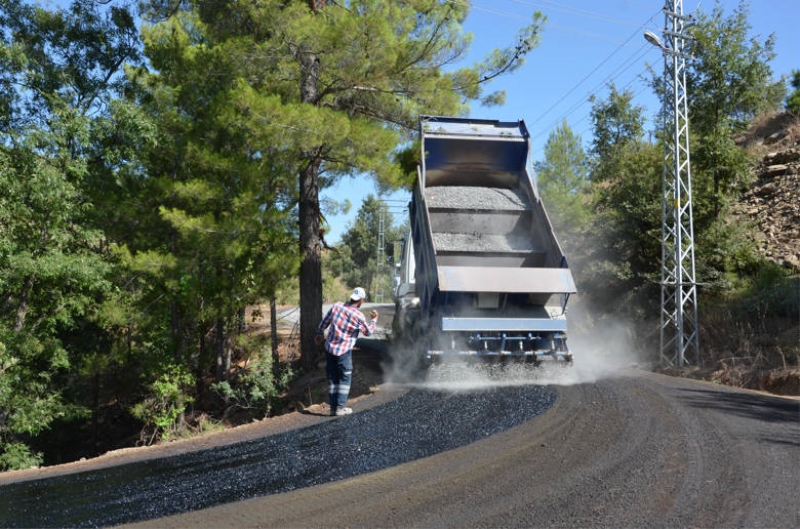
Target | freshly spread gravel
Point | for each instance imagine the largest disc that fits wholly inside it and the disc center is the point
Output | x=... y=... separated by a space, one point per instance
x=418 y=424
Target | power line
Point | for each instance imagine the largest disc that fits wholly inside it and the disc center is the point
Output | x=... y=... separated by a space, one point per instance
x=570 y=10
x=571 y=90
x=545 y=4
x=626 y=64
x=644 y=50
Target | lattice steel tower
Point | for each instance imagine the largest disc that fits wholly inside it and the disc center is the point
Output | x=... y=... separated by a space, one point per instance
x=680 y=343
x=380 y=259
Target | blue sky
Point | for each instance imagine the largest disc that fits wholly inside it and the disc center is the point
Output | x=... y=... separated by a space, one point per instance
x=584 y=45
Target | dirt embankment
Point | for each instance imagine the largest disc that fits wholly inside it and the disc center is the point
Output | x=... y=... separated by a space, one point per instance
x=773 y=200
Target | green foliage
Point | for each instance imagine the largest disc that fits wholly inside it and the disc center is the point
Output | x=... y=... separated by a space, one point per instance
x=256 y=388
x=349 y=82
x=563 y=182
x=773 y=292
x=58 y=69
x=356 y=259
x=730 y=82
x=222 y=188
x=793 y=100
x=52 y=271
x=725 y=253
x=626 y=231
x=18 y=456
x=144 y=204
x=618 y=128
x=729 y=77
x=616 y=252
x=754 y=325
x=30 y=398
x=165 y=404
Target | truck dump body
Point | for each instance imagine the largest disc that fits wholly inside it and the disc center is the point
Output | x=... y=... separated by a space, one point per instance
x=491 y=278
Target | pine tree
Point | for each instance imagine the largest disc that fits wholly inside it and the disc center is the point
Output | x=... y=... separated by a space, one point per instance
x=563 y=181
x=207 y=205
x=351 y=80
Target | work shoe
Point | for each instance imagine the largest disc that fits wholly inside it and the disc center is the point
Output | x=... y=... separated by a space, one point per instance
x=343 y=411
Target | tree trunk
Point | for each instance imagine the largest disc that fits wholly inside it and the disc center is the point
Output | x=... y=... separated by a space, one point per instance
x=273 y=329
x=95 y=412
x=176 y=325
x=310 y=266
x=309 y=212
x=222 y=351
x=22 y=308
x=176 y=319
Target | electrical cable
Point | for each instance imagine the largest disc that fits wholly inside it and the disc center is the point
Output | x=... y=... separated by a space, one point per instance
x=559 y=6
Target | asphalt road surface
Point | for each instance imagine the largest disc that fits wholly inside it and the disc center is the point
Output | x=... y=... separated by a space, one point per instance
x=638 y=451
x=641 y=450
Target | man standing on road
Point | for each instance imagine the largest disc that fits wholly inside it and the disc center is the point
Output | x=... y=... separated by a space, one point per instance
x=345 y=321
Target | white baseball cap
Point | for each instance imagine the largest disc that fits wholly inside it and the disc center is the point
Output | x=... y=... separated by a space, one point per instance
x=358 y=294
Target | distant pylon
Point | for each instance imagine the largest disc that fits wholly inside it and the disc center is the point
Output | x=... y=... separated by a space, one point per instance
x=680 y=343
x=379 y=257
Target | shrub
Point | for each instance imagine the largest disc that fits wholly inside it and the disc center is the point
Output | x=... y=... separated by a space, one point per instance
x=15 y=456
x=255 y=388
x=164 y=406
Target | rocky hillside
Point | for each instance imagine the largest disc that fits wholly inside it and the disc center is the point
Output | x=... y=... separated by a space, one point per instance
x=773 y=200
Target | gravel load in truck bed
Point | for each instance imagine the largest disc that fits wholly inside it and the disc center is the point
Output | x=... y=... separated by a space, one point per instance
x=481 y=243
x=476 y=198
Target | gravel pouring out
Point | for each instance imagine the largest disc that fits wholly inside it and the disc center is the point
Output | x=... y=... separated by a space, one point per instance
x=417 y=424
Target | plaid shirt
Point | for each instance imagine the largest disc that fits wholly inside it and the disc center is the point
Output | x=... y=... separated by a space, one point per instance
x=345 y=321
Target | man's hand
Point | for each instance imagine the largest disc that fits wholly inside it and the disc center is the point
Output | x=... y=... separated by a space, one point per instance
x=318 y=339
x=373 y=314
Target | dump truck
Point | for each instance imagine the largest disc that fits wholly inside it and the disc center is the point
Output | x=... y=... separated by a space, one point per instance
x=481 y=272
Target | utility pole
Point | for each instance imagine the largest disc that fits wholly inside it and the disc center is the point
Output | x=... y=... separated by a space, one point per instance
x=386 y=206
x=380 y=258
x=680 y=343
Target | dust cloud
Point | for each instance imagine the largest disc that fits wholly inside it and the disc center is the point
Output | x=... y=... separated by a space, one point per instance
x=602 y=352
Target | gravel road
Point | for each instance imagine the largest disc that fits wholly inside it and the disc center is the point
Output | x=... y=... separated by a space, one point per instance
x=333 y=449
x=641 y=450
x=638 y=451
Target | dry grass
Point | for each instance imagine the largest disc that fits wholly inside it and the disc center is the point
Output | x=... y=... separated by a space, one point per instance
x=770 y=133
x=750 y=351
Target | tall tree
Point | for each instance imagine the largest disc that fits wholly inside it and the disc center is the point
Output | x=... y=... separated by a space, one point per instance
x=354 y=77
x=730 y=81
x=361 y=244
x=729 y=77
x=624 y=238
x=207 y=202
x=563 y=181
x=59 y=70
x=618 y=128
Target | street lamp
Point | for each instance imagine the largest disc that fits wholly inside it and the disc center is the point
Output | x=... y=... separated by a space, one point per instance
x=654 y=39
x=679 y=329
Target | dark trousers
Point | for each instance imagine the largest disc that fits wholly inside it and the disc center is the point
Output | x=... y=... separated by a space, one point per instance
x=339 y=370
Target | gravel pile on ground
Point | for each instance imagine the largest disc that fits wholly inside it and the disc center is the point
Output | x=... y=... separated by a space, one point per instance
x=476 y=198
